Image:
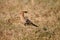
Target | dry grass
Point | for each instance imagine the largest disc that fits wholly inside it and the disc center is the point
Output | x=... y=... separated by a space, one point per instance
x=44 y=13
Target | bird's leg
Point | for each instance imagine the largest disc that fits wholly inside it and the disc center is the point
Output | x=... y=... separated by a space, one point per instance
x=25 y=24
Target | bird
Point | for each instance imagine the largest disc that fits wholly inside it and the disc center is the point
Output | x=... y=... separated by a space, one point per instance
x=26 y=20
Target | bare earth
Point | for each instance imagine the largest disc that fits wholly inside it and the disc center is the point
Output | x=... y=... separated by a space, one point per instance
x=44 y=13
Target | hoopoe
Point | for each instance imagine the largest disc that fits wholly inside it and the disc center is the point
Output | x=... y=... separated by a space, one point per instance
x=25 y=20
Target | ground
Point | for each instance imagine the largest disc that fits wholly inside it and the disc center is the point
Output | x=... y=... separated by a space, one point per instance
x=44 y=13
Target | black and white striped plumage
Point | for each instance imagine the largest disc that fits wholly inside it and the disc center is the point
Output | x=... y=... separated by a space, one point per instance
x=28 y=22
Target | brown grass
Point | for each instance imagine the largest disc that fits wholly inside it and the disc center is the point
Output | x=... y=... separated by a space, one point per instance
x=44 y=13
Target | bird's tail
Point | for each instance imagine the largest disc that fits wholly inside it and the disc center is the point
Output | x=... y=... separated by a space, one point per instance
x=34 y=25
